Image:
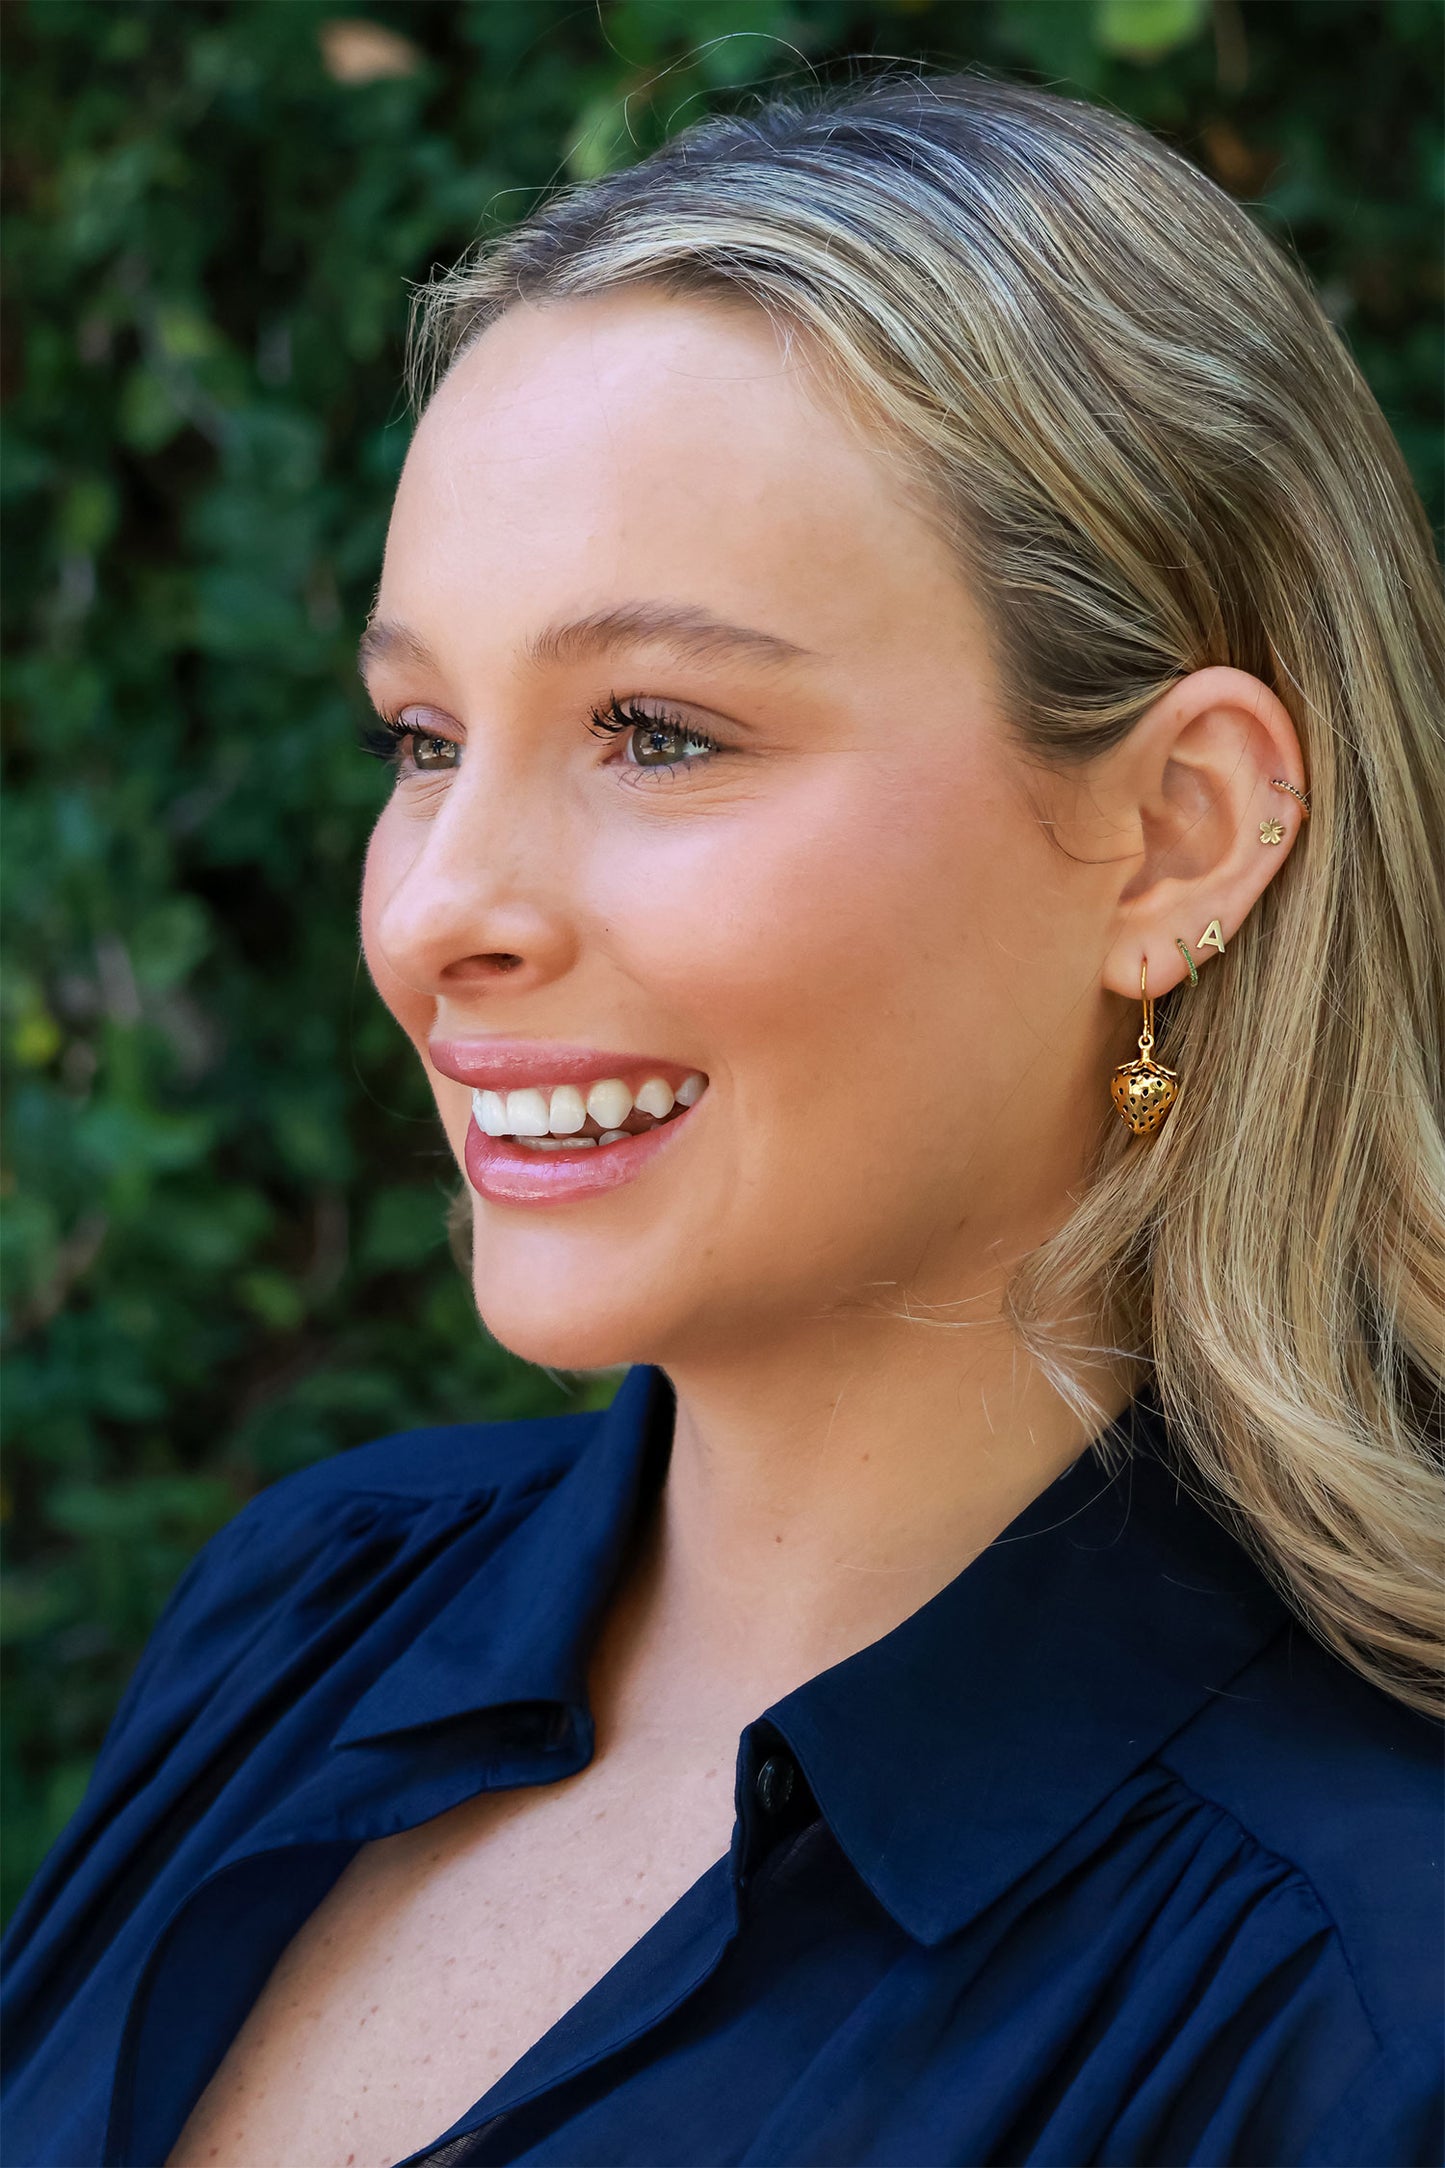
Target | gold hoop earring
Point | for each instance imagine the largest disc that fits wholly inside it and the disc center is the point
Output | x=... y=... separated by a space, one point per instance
x=1144 y=1090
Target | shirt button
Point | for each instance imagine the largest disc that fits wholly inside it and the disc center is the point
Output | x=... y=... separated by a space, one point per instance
x=773 y=1784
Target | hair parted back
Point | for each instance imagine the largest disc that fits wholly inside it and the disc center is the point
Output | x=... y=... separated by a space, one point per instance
x=1153 y=453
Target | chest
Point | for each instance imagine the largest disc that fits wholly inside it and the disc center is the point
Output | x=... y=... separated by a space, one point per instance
x=443 y=1954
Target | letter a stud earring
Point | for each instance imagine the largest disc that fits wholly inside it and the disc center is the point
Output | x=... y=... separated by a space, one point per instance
x=1144 y=1090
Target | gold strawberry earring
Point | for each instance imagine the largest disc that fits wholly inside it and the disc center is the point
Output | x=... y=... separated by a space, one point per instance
x=1144 y=1090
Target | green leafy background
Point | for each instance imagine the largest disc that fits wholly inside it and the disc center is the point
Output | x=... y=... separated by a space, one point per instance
x=223 y=1188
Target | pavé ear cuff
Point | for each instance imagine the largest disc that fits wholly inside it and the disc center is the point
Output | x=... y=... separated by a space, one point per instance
x=1277 y=782
x=1272 y=831
x=1144 y=1090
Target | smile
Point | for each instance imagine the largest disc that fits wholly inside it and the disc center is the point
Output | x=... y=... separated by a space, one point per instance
x=555 y=1124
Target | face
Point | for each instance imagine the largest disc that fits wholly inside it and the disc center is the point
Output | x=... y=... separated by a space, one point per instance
x=799 y=862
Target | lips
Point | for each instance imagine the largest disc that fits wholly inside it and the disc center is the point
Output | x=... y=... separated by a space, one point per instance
x=509 y=1173
x=506 y=1172
x=499 y=1065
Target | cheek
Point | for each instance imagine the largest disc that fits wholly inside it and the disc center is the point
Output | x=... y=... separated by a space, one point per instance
x=862 y=909
x=838 y=951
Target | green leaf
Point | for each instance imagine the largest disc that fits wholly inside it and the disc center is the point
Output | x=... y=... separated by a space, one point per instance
x=117 y=1138
x=1055 y=36
x=170 y=941
x=403 y=1228
x=87 y=515
x=1147 y=29
x=273 y=1298
x=149 y=416
x=599 y=140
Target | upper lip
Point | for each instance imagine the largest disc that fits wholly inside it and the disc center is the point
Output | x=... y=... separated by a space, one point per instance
x=499 y=1065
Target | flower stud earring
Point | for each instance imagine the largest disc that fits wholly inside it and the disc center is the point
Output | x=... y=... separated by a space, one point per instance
x=1272 y=831
x=1144 y=1090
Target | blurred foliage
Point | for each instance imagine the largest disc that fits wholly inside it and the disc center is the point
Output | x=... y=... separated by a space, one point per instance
x=223 y=1189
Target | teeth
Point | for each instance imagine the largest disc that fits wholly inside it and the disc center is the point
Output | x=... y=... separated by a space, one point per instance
x=655 y=1097
x=609 y=1103
x=489 y=1112
x=559 y=1144
x=551 y=1117
x=566 y=1114
x=527 y=1113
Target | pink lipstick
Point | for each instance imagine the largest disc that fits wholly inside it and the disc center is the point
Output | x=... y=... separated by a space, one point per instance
x=572 y=1127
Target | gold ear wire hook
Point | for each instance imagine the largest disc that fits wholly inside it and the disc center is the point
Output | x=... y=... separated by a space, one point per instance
x=1143 y=1090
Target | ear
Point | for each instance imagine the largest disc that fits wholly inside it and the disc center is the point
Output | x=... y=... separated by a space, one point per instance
x=1189 y=789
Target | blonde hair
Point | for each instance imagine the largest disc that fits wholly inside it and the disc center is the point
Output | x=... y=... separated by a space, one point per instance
x=1153 y=454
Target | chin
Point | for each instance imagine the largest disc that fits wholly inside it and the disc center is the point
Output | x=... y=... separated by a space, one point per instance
x=564 y=1334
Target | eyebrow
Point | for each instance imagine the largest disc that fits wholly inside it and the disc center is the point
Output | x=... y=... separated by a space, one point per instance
x=382 y=642
x=692 y=633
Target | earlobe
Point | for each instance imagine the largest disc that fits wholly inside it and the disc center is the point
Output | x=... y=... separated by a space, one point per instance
x=1219 y=796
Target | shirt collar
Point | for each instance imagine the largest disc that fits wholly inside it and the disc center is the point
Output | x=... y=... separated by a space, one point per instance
x=961 y=1747
x=521 y=1627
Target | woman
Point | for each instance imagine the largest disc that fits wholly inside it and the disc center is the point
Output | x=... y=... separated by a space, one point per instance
x=881 y=595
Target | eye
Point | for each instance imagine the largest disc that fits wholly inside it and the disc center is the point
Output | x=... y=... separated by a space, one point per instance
x=414 y=752
x=660 y=742
x=429 y=754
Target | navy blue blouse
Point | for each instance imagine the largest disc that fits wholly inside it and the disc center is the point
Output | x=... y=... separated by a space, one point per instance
x=1096 y=1857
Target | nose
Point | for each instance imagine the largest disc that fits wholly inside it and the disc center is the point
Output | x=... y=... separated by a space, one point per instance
x=469 y=901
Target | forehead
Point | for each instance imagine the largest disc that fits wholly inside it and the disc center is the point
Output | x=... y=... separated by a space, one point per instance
x=640 y=443
x=591 y=389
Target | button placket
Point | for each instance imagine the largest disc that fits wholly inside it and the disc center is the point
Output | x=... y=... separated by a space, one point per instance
x=773 y=1804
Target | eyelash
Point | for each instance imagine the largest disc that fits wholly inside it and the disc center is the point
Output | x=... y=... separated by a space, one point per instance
x=385 y=744
x=623 y=715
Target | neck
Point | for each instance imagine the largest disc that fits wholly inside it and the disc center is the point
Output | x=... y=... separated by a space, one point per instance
x=819 y=1493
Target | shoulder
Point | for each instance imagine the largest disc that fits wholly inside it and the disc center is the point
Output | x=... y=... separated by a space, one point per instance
x=463 y=1469
x=297 y=1548
x=447 y=1460
x=1347 y=1786
x=299 y=1593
